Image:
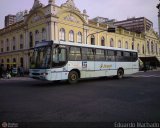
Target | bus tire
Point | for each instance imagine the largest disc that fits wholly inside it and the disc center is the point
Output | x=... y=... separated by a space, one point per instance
x=120 y=73
x=73 y=77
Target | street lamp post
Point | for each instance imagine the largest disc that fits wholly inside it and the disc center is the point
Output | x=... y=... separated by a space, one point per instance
x=112 y=30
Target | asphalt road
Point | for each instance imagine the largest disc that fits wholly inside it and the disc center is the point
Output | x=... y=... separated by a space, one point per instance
x=134 y=98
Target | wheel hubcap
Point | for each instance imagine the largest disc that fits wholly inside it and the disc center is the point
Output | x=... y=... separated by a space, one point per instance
x=73 y=77
x=120 y=73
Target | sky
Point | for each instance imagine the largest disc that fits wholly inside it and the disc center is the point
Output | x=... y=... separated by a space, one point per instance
x=112 y=9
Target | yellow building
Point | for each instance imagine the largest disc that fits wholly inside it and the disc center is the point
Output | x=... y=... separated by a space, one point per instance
x=66 y=23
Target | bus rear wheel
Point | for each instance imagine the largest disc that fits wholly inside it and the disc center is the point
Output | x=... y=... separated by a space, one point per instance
x=73 y=77
x=120 y=73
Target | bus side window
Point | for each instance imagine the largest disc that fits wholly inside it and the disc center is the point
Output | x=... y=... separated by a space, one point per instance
x=126 y=56
x=90 y=54
x=100 y=55
x=62 y=55
x=110 y=56
x=75 y=54
x=84 y=54
x=134 y=56
x=119 y=56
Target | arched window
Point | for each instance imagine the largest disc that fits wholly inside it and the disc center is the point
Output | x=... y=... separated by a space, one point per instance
x=21 y=61
x=30 y=39
x=2 y=61
x=71 y=36
x=7 y=44
x=2 y=45
x=111 y=42
x=14 y=43
x=148 y=47
x=44 y=34
x=126 y=45
x=79 y=37
x=21 y=41
x=143 y=49
x=92 y=40
x=36 y=36
x=132 y=45
x=119 y=44
x=102 y=41
x=138 y=47
x=62 y=34
x=152 y=47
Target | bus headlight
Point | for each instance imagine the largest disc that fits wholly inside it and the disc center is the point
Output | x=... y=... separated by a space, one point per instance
x=44 y=74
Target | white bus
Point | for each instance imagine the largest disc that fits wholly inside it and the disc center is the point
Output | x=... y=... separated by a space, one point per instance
x=70 y=61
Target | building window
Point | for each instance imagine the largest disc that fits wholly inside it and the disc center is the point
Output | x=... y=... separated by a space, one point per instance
x=79 y=37
x=119 y=44
x=143 y=49
x=92 y=40
x=44 y=34
x=36 y=36
x=21 y=61
x=138 y=48
x=31 y=39
x=62 y=34
x=111 y=42
x=2 y=61
x=152 y=47
x=1 y=49
x=14 y=43
x=132 y=45
x=148 y=47
x=71 y=36
x=102 y=41
x=126 y=45
x=7 y=44
x=2 y=45
x=21 y=41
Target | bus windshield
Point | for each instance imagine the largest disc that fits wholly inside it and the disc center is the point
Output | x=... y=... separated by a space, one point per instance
x=41 y=58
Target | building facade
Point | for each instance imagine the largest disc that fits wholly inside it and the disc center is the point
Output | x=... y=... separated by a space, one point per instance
x=66 y=23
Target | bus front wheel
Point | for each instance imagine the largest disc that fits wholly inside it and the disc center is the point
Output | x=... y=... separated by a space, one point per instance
x=120 y=73
x=73 y=77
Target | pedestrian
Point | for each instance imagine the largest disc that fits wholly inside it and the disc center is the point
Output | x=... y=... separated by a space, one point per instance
x=18 y=71
x=21 y=71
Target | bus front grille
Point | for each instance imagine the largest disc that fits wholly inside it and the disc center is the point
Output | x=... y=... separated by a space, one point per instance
x=36 y=74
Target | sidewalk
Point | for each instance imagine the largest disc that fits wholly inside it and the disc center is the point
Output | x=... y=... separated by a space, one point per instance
x=25 y=78
x=158 y=69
